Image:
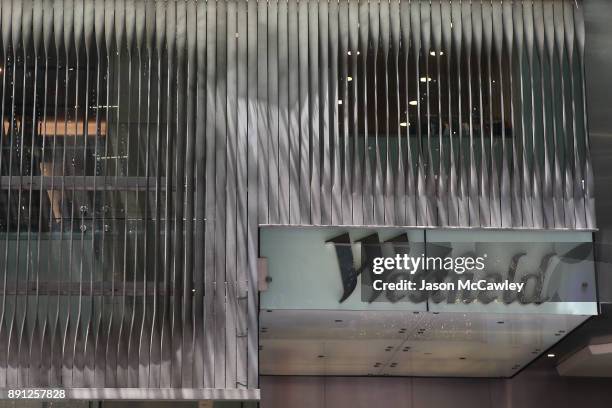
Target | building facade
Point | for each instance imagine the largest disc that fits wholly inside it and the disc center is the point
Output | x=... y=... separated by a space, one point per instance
x=145 y=143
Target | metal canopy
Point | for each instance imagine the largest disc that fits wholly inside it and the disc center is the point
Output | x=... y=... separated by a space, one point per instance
x=380 y=343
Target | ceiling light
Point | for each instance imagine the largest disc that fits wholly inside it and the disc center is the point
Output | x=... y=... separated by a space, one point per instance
x=425 y=79
x=403 y=124
x=339 y=101
x=349 y=79
x=433 y=53
x=413 y=103
x=550 y=355
x=349 y=53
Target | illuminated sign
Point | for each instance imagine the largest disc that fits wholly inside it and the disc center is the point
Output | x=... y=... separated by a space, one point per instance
x=440 y=272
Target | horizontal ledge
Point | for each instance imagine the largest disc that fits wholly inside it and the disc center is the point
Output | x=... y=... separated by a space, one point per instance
x=430 y=227
x=235 y=394
x=38 y=182
x=98 y=288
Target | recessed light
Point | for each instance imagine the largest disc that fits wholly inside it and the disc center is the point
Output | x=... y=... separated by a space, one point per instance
x=413 y=103
x=550 y=355
x=339 y=101
x=349 y=79
x=349 y=53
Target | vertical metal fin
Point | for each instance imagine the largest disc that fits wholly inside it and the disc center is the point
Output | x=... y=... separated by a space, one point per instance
x=468 y=38
x=326 y=104
x=292 y=109
x=415 y=38
x=545 y=120
x=462 y=155
x=334 y=101
x=570 y=45
x=430 y=184
x=248 y=370
x=557 y=178
x=344 y=114
x=536 y=143
x=494 y=177
x=364 y=52
x=565 y=134
x=515 y=218
x=484 y=201
x=588 y=183
x=210 y=275
x=449 y=165
x=440 y=157
x=305 y=136
x=523 y=101
x=408 y=163
x=353 y=82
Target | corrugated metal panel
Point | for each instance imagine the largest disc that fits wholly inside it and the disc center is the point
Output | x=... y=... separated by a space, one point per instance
x=129 y=194
x=143 y=142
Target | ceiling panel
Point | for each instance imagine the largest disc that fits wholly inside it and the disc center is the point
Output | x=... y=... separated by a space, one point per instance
x=314 y=342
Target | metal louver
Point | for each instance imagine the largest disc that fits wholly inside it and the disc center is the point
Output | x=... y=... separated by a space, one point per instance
x=143 y=142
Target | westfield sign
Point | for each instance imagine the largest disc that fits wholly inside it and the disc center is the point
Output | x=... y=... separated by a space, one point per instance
x=436 y=282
